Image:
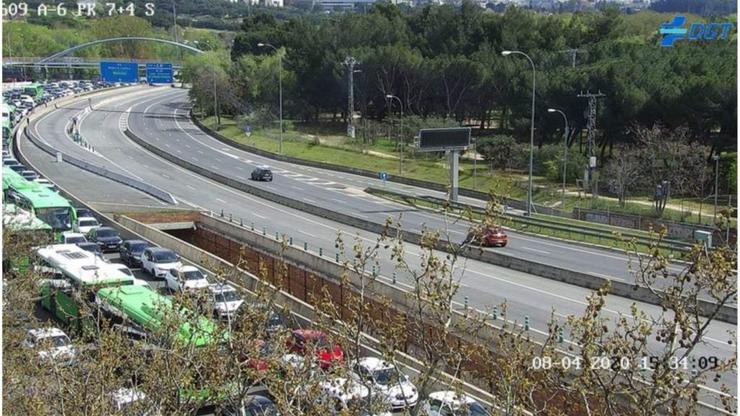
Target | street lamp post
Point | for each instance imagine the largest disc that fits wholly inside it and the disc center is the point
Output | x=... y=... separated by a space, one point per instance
x=565 y=152
x=280 y=83
x=400 y=149
x=531 y=135
x=716 y=184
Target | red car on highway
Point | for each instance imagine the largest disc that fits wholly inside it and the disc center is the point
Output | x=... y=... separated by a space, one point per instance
x=487 y=236
x=304 y=340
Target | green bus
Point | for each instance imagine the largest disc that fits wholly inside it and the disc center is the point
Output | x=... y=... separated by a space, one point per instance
x=40 y=201
x=6 y=129
x=71 y=273
x=8 y=113
x=144 y=309
x=36 y=91
x=22 y=231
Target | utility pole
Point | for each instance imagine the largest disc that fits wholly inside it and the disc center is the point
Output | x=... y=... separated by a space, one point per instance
x=351 y=62
x=573 y=52
x=591 y=136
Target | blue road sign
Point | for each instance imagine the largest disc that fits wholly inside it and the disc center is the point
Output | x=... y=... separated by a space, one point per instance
x=119 y=71
x=159 y=73
x=383 y=176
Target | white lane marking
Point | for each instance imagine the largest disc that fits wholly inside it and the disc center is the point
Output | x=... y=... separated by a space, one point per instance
x=220 y=200
x=187 y=146
x=194 y=158
x=258 y=215
x=535 y=250
x=338 y=201
x=311 y=201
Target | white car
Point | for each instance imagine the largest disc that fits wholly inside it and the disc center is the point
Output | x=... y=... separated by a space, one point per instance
x=157 y=261
x=51 y=344
x=226 y=300
x=86 y=224
x=386 y=379
x=71 y=237
x=450 y=403
x=185 y=278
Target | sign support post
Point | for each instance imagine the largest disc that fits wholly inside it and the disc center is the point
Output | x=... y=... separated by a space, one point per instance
x=454 y=170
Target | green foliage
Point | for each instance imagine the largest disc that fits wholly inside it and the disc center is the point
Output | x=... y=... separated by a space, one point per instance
x=445 y=62
x=501 y=151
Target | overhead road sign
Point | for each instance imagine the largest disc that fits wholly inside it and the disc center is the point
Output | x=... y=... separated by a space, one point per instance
x=159 y=73
x=119 y=71
x=434 y=140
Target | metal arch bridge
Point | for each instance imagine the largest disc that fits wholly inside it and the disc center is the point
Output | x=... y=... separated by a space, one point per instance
x=56 y=60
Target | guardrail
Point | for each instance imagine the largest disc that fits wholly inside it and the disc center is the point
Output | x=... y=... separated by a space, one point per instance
x=589 y=281
x=521 y=223
x=93 y=168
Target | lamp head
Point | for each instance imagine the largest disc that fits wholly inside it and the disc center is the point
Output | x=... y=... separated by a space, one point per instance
x=261 y=44
x=505 y=53
x=389 y=96
x=551 y=110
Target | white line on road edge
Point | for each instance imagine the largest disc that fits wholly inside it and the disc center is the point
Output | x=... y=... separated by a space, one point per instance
x=536 y=250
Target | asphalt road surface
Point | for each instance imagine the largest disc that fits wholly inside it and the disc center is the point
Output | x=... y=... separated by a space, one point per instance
x=159 y=115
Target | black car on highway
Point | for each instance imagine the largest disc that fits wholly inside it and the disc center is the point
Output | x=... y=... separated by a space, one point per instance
x=84 y=212
x=131 y=250
x=106 y=238
x=262 y=173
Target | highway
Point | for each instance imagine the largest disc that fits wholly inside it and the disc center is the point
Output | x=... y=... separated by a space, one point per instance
x=159 y=116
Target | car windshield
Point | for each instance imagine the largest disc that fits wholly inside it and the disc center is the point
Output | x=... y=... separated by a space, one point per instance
x=384 y=376
x=474 y=409
x=193 y=275
x=57 y=218
x=107 y=232
x=59 y=340
x=227 y=296
x=92 y=247
x=165 y=257
x=88 y=223
x=75 y=240
x=138 y=247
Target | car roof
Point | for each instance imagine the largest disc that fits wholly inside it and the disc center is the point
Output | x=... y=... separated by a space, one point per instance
x=72 y=234
x=86 y=219
x=452 y=398
x=187 y=268
x=136 y=241
x=374 y=363
x=221 y=287
x=159 y=250
x=107 y=228
x=46 y=332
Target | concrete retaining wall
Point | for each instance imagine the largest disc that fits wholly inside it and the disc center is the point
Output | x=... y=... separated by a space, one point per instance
x=588 y=281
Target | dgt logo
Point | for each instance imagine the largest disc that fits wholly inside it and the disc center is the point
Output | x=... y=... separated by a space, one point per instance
x=675 y=30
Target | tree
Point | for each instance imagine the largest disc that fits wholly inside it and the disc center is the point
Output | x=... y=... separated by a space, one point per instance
x=623 y=171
